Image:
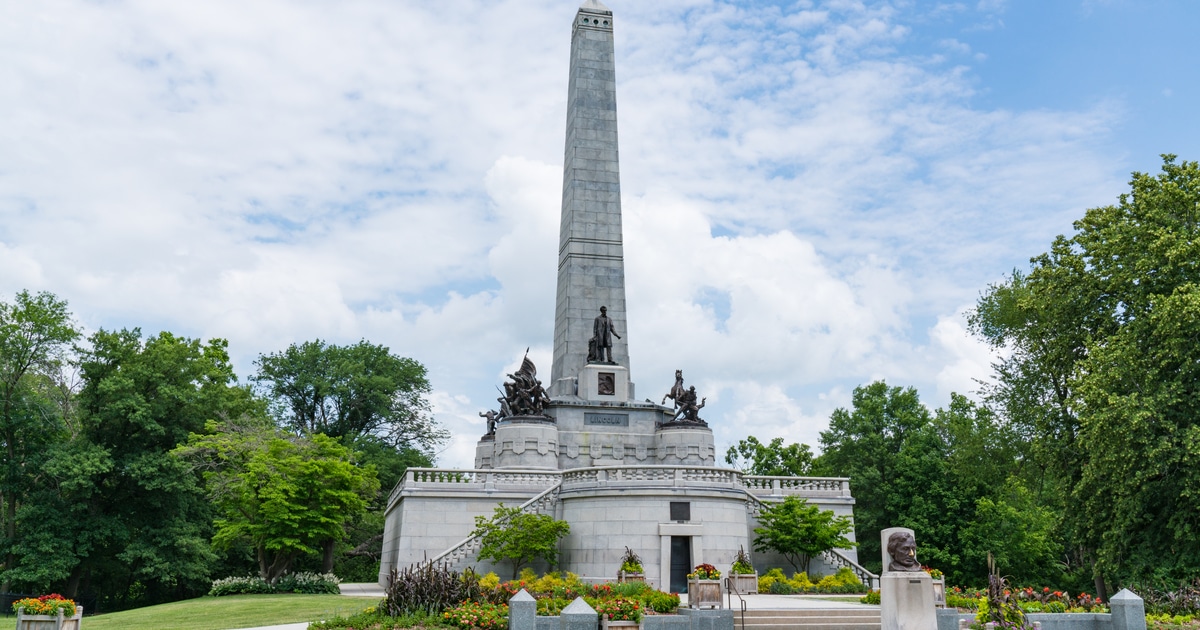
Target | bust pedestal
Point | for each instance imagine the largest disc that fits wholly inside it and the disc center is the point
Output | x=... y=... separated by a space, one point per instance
x=906 y=601
x=600 y=382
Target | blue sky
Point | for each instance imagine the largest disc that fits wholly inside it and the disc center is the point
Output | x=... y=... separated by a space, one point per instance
x=814 y=192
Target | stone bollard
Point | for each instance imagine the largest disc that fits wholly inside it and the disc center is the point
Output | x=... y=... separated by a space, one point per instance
x=522 y=611
x=1128 y=611
x=578 y=616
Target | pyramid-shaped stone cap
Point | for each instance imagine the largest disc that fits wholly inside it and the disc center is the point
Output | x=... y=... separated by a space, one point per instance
x=1125 y=595
x=579 y=607
x=595 y=6
x=522 y=596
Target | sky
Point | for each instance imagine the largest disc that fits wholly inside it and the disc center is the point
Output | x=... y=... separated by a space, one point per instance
x=814 y=193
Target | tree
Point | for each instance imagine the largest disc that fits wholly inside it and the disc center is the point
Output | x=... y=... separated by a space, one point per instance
x=864 y=444
x=35 y=333
x=284 y=495
x=1102 y=377
x=798 y=531
x=143 y=523
x=350 y=391
x=519 y=537
x=772 y=460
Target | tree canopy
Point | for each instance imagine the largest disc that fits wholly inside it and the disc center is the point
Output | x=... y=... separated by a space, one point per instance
x=1102 y=375
x=350 y=391
x=773 y=459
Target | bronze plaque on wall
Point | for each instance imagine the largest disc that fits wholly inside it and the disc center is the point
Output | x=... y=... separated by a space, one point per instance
x=607 y=384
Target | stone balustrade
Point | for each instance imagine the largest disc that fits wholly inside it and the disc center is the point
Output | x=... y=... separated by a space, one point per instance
x=763 y=486
x=468 y=480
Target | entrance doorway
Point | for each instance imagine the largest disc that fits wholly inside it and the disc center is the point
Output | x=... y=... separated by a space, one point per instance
x=681 y=562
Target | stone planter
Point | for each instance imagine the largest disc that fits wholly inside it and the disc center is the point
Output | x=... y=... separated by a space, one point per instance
x=605 y=624
x=623 y=577
x=704 y=593
x=47 y=622
x=745 y=584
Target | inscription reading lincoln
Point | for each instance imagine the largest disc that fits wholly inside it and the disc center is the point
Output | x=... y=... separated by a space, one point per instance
x=607 y=419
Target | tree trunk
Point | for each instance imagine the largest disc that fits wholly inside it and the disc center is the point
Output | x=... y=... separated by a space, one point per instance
x=73 y=582
x=327 y=561
x=1101 y=592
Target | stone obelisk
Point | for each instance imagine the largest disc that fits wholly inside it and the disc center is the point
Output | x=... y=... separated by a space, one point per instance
x=591 y=265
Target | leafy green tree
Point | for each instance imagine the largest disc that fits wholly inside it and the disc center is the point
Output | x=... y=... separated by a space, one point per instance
x=799 y=531
x=350 y=391
x=35 y=335
x=1101 y=377
x=519 y=537
x=774 y=459
x=145 y=522
x=865 y=444
x=1019 y=533
x=284 y=495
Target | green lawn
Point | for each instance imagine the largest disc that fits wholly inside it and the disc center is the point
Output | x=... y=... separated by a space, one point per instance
x=235 y=611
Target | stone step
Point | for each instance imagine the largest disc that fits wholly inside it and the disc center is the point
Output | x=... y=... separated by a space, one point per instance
x=841 y=619
x=761 y=613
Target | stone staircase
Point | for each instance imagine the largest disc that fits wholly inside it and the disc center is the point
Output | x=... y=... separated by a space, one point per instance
x=807 y=619
x=462 y=553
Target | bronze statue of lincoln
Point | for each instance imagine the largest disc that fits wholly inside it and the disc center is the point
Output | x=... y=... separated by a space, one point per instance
x=600 y=346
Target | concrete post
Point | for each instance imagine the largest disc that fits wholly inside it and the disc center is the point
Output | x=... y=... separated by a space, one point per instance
x=1128 y=611
x=578 y=616
x=522 y=611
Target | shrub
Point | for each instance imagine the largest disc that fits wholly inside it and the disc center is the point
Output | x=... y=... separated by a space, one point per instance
x=478 y=615
x=661 y=602
x=46 y=605
x=308 y=583
x=620 y=609
x=240 y=586
x=489 y=581
x=551 y=606
x=630 y=589
x=429 y=588
x=872 y=597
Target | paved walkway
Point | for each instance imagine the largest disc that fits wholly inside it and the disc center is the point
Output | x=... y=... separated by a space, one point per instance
x=753 y=602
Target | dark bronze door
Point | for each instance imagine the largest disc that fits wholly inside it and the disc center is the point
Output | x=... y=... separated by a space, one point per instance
x=681 y=562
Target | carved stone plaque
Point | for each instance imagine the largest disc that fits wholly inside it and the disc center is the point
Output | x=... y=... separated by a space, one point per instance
x=606 y=419
x=606 y=384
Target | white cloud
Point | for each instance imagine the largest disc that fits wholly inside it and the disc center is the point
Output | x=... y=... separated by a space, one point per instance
x=806 y=208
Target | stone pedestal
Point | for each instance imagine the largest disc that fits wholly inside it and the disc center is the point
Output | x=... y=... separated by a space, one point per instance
x=684 y=445
x=525 y=443
x=485 y=450
x=604 y=383
x=906 y=601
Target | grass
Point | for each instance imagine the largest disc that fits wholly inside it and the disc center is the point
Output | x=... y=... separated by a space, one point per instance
x=235 y=611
